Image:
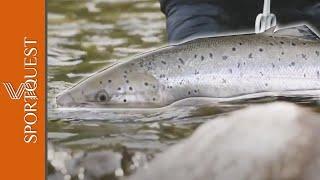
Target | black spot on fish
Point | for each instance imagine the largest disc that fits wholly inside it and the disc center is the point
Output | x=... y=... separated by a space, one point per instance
x=317 y=53
x=196 y=72
x=234 y=49
x=125 y=76
x=153 y=99
x=141 y=64
x=230 y=71
x=304 y=75
x=132 y=64
x=146 y=83
x=202 y=58
x=239 y=64
x=224 y=57
x=162 y=76
x=318 y=74
x=266 y=84
x=273 y=65
x=163 y=62
x=304 y=43
x=154 y=86
x=110 y=81
x=260 y=49
x=119 y=88
x=181 y=61
x=211 y=55
x=130 y=88
x=127 y=81
x=271 y=44
x=124 y=100
x=195 y=91
x=304 y=56
x=281 y=42
x=240 y=44
x=293 y=44
x=195 y=56
x=100 y=82
x=250 y=56
x=126 y=72
x=292 y=64
x=189 y=92
x=179 y=66
x=282 y=53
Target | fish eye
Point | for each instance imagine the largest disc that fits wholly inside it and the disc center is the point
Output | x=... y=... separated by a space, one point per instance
x=102 y=97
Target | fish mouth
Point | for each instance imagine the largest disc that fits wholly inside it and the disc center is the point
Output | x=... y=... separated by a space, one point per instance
x=65 y=100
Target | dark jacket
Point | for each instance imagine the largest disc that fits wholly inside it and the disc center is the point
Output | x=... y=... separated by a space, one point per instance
x=188 y=18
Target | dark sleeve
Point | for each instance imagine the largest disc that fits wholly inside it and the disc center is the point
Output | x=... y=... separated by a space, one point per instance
x=193 y=18
x=313 y=11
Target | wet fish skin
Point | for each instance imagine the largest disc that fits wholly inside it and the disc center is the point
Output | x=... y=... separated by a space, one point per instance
x=217 y=67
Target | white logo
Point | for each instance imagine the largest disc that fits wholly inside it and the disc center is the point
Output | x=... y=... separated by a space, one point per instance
x=17 y=94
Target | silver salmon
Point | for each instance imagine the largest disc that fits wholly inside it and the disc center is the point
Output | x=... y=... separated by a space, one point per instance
x=285 y=60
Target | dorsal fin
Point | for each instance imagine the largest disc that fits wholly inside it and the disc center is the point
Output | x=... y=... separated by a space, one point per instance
x=300 y=31
x=271 y=30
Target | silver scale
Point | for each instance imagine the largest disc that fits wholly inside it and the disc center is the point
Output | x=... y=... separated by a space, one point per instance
x=265 y=20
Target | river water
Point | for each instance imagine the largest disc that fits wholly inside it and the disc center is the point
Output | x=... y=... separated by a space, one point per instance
x=84 y=36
